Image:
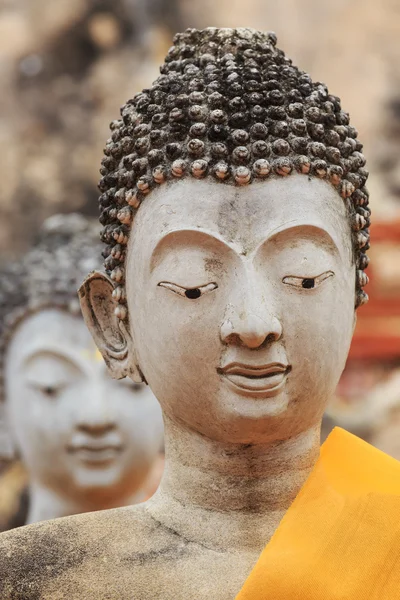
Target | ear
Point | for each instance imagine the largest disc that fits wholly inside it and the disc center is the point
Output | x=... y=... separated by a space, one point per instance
x=7 y=450
x=111 y=334
x=354 y=320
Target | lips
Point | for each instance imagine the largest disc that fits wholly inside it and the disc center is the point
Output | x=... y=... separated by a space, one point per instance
x=95 y=453
x=266 y=379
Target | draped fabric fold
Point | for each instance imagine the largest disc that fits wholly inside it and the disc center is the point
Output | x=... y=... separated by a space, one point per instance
x=341 y=536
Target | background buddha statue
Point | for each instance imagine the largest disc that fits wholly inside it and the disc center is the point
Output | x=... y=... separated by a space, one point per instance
x=87 y=442
x=236 y=221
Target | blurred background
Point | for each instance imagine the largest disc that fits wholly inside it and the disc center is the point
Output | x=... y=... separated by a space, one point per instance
x=67 y=66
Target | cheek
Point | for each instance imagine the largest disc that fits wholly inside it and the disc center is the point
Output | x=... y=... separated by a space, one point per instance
x=45 y=422
x=25 y=420
x=176 y=330
x=36 y=434
x=180 y=344
x=128 y=413
x=318 y=332
x=141 y=428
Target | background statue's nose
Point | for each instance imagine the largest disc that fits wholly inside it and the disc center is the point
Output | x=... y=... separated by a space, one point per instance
x=96 y=429
x=250 y=330
x=95 y=415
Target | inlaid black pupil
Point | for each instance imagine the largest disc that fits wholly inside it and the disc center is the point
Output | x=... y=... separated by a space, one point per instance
x=308 y=283
x=193 y=294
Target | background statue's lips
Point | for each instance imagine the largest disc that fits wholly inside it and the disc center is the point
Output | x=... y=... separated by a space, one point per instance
x=257 y=378
x=95 y=453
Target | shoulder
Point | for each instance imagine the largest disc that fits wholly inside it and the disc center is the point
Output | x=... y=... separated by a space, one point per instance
x=75 y=552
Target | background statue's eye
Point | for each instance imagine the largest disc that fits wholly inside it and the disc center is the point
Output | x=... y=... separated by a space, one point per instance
x=193 y=293
x=136 y=387
x=131 y=385
x=308 y=283
x=50 y=391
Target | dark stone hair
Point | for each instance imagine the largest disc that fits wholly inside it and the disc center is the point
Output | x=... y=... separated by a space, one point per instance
x=228 y=105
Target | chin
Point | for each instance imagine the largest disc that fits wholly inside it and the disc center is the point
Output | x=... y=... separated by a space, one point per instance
x=240 y=419
x=89 y=478
x=256 y=407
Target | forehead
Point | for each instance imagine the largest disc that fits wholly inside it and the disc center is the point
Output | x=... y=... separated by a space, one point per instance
x=50 y=328
x=242 y=218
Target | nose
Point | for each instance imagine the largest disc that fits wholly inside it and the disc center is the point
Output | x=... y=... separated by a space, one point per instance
x=250 y=330
x=95 y=429
x=250 y=321
x=95 y=417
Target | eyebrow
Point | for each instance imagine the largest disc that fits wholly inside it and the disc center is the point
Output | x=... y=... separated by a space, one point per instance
x=166 y=243
x=308 y=231
x=55 y=352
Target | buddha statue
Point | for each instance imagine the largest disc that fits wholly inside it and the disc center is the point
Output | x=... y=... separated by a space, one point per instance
x=86 y=441
x=235 y=220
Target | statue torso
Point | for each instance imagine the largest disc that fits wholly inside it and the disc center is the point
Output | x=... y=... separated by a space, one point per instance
x=122 y=553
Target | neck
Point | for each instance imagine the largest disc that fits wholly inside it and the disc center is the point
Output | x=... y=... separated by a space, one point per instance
x=45 y=503
x=230 y=496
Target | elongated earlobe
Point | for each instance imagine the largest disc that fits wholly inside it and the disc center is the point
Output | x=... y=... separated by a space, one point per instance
x=110 y=334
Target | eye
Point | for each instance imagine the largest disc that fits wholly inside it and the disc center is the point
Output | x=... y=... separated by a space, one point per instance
x=307 y=283
x=191 y=293
x=132 y=385
x=51 y=391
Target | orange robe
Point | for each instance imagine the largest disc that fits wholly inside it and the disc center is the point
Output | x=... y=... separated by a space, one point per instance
x=340 y=539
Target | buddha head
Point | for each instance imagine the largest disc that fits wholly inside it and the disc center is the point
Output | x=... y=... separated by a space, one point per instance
x=235 y=218
x=82 y=436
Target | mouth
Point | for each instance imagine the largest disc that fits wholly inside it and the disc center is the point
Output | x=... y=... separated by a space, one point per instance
x=260 y=379
x=95 y=454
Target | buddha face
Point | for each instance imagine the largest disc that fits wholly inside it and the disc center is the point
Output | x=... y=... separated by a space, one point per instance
x=241 y=304
x=78 y=431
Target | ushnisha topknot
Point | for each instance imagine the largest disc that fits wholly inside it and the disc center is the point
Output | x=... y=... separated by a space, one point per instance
x=48 y=276
x=228 y=105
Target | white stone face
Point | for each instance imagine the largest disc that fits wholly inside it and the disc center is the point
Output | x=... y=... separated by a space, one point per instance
x=81 y=434
x=257 y=350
